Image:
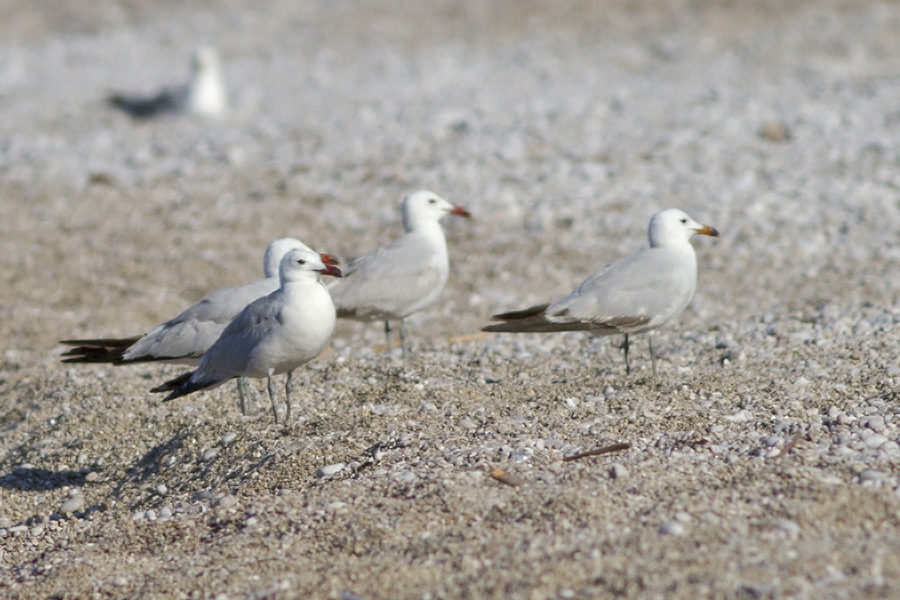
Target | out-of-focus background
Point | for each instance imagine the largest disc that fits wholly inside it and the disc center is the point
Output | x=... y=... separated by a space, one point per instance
x=563 y=126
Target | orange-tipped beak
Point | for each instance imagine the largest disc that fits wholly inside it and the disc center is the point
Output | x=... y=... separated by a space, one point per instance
x=461 y=211
x=330 y=270
x=708 y=230
x=329 y=259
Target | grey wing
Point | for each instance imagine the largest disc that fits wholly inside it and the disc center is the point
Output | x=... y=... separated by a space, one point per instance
x=194 y=330
x=387 y=280
x=222 y=305
x=643 y=290
x=242 y=337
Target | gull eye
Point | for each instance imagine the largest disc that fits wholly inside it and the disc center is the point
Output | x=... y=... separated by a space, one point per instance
x=432 y=201
x=684 y=221
x=300 y=261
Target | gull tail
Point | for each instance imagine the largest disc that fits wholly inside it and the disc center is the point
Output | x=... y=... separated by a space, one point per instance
x=534 y=320
x=527 y=319
x=100 y=350
x=185 y=384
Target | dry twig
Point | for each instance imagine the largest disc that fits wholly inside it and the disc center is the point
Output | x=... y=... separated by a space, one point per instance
x=790 y=445
x=598 y=451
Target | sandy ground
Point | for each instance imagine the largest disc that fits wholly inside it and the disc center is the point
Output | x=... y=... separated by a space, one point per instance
x=763 y=461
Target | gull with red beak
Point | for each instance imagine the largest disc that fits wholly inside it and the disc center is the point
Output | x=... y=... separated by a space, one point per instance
x=403 y=277
x=635 y=294
x=184 y=338
x=272 y=335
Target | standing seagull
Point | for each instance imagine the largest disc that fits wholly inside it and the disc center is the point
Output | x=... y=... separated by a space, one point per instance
x=394 y=281
x=204 y=95
x=638 y=293
x=184 y=338
x=272 y=335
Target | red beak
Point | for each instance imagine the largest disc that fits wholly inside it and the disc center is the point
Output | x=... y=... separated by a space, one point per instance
x=330 y=270
x=461 y=211
x=328 y=259
x=708 y=230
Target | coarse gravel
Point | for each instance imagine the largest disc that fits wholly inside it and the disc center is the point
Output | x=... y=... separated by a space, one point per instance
x=761 y=463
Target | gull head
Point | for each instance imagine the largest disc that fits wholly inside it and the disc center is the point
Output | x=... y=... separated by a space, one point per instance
x=424 y=207
x=674 y=227
x=276 y=251
x=205 y=59
x=305 y=264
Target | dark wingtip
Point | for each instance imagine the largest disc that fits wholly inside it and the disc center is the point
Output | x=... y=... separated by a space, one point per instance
x=525 y=313
x=177 y=386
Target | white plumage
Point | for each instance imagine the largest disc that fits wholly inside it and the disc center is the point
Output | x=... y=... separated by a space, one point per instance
x=274 y=334
x=403 y=277
x=635 y=294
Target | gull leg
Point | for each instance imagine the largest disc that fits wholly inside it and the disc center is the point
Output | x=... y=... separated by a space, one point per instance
x=387 y=334
x=271 y=387
x=652 y=356
x=402 y=338
x=244 y=394
x=624 y=347
x=288 y=388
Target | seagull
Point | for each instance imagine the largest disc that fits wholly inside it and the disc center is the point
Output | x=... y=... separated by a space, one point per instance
x=403 y=277
x=635 y=294
x=274 y=334
x=204 y=95
x=184 y=338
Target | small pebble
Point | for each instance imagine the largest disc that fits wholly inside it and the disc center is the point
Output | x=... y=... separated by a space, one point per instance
x=672 y=528
x=489 y=377
x=875 y=423
x=209 y=454
x=467 y=423
x=406 y=477
x=72 y=505
x=618 y=471
x=519 y=457
x=775 y=132
x=870 y=475
x=876 y=440
x=788 y=526
x=228 y=438
x=226 y=501
x=330 y=470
